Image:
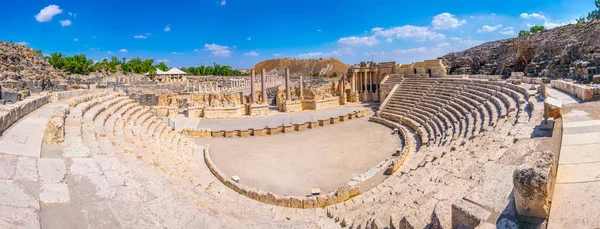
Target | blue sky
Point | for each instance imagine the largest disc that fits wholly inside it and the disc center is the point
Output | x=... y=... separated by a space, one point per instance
x=241 y=33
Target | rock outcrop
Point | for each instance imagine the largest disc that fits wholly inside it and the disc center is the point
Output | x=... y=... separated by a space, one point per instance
x=571 y=50
x=19 y=62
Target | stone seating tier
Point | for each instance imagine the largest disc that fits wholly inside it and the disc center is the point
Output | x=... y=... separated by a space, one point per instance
x=114 y=128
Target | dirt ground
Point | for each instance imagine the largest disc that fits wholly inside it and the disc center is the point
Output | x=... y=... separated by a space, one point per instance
x=292 y=164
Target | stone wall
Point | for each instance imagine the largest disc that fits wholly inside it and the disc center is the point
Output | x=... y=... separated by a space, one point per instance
x=436 y=67
x=276 y=130
x=581 y=91
x=9 y=114
x=68 y=94
x=224 y=112
x=340 y=195
x=313 y=104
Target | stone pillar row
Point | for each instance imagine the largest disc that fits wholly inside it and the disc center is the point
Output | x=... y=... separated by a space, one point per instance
x=252 y=96
x=263 y=76
x=287 y=85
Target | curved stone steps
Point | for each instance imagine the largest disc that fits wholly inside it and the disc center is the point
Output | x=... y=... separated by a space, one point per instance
x=231 y=206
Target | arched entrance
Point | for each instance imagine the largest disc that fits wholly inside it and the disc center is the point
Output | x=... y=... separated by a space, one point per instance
x=429 y=72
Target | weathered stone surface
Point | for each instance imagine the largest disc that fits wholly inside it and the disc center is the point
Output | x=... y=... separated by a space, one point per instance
x=13 y=217
x=13 y=194
x=53 y=193
x=8 y=166
x=532 y=185
x=467 y=214
x=27 y=169
x=55 y=130
x=52 y=170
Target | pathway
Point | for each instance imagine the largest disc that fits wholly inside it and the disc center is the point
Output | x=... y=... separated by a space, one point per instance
x=25 y=137
x=577 y=190
x=263 y=121
x=565 y=98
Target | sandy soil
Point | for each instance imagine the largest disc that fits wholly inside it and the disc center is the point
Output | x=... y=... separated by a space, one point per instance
x=292 y=164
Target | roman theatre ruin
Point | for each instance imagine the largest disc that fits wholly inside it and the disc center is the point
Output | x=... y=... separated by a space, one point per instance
x=383 y=145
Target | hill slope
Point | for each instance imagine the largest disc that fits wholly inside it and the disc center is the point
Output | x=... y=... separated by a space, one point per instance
x=555 y=52
x=304 y=67
x=21 y=62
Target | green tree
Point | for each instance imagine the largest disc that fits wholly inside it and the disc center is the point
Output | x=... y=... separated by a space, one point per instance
x=537 y=28
x=162 y=66
x=524 y=33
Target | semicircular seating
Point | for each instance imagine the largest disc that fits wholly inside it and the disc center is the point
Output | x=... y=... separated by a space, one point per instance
x=465 y=127
x=122 y=140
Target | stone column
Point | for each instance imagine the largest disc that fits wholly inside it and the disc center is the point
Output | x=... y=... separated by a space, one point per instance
x=252 y=95
x=366 y=74
x=301 y=89
x=371 y=82
x=353 y=83
x=263 y=86
x=288 y=95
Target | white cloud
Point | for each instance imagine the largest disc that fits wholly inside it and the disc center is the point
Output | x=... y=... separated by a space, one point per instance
x=249 y=38
x=163 y=60
x=310 y=55
x=276 y=54
x=489 y=28
x=23 y=43
x=72 y=14
x=218 y=50
x=318 y=30
x=147 y=34
x=375 y=54
x=140 y=37
x=168 y=28
x=65 y=22
x=339 y=51
x=464 y=44
x=253 y=53
x=508 y=31
x=358 y=41
x=46 y=14
x=123 y=50
x=446 y=21
x=409 y=32
x=109 y=52
x=75 y=39
x=445 y=44
x=455 y=38
x=389 y=39
x=196 y=50
x=533 y=16
x=411 y=51
x=223 y=2
x=551 y=25
x=177 y=53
